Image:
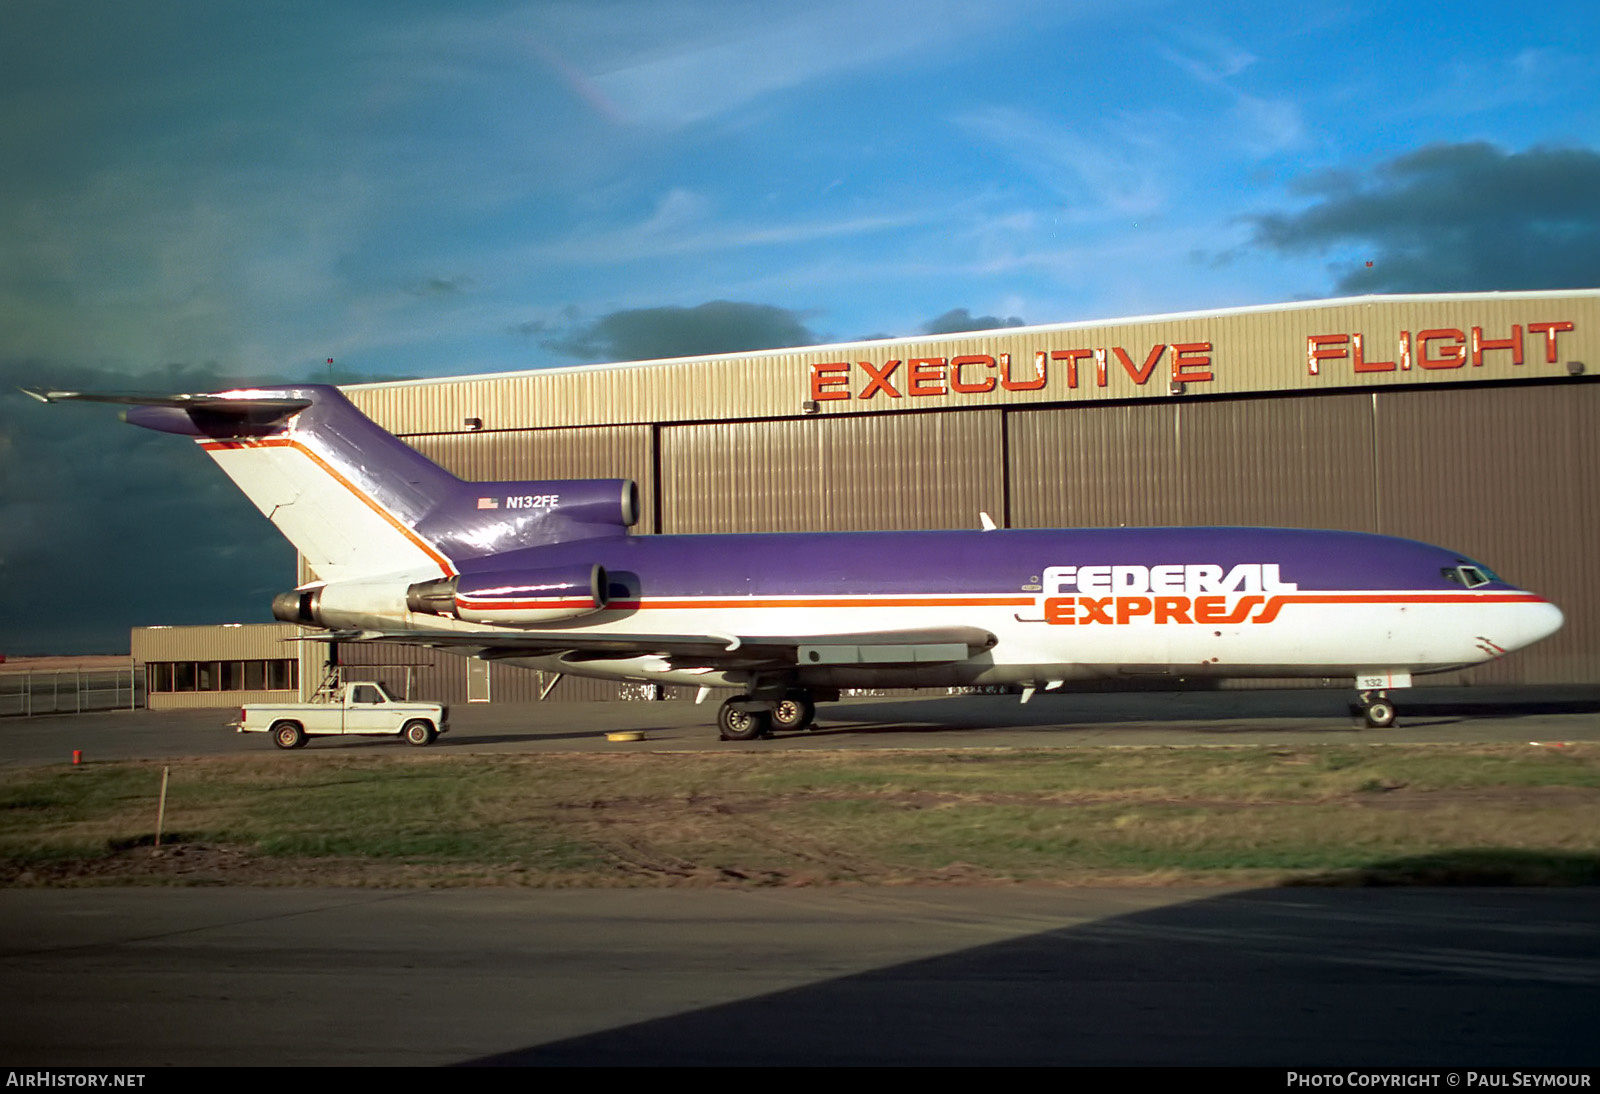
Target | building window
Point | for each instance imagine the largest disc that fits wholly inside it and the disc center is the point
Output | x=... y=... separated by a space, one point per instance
x=277 y=674
x=283 y=674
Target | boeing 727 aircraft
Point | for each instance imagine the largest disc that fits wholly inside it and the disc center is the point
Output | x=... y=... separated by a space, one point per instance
x=546 y=575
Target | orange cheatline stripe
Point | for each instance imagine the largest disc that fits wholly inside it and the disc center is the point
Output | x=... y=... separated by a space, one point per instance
x=288 y=442
x=1409 y=598
x=1024 y=602
x=840 y=602
x=1274 y=605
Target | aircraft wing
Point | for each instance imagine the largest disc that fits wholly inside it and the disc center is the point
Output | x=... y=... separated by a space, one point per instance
x=924 y=646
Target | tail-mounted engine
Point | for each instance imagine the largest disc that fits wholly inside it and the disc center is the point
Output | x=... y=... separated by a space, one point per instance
x=513 y=597
x=303 y=606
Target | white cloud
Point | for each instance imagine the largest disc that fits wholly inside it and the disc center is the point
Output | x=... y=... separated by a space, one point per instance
x=1211 y=59
x=1258 y=125
x=684 y=223
x=1266 y=127
x=1527 y=77
x=673 y=64
x=1114 y=173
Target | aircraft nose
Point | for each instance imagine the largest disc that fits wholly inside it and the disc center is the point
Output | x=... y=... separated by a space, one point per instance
x=1550 y=620
x=1535 y=621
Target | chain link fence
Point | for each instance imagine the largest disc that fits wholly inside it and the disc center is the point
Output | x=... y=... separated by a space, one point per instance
x=70 y=691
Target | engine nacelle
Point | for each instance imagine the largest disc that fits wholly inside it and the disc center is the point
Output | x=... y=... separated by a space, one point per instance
x=514 y=597
x=303 y=606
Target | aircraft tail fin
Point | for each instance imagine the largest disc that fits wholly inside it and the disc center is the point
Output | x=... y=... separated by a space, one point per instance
x=357 y=501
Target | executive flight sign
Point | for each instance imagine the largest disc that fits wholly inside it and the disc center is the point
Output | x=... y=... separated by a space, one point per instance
x=1435 y=348
x=1472 y=349
x=978 y=373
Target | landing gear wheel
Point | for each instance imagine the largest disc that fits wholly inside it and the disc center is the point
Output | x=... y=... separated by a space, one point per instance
x=288 y=735
x=418 y=733
x=795 y=711
x=743 y=725
x=1379 y=713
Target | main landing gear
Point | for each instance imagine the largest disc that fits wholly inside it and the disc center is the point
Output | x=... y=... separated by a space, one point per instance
x=737 y=722
x=747 y=718
x=795 y=711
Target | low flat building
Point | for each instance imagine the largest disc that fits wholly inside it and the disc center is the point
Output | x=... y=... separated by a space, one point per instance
x=226 y=665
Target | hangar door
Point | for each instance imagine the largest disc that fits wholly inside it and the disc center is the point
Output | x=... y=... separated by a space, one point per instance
x=874 y=472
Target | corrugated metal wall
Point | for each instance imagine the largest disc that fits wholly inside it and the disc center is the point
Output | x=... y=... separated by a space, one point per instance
x=1509 y=476
x=833 y=474
x=223 y=642
x=229 y=701
x=596 y=452
x=1224 y=353
x=441 y=677
x=1095 y=467
x=1290 y=462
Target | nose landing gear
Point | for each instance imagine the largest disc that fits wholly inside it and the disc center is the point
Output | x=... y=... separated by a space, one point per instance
x=1377 y=709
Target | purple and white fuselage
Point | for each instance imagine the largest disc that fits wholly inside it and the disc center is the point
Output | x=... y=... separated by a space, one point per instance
x=545 y=574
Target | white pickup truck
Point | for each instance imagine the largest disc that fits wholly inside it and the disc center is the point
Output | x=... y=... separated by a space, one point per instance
x=363 y=709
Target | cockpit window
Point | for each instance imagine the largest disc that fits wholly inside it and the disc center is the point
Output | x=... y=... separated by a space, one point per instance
x=1468 y=575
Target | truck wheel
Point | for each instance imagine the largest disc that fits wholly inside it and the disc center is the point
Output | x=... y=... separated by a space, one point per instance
x=419 y=733
x=288 y=735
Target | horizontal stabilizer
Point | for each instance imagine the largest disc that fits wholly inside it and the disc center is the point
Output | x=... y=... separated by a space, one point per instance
x=222 y=415
x=242 y=402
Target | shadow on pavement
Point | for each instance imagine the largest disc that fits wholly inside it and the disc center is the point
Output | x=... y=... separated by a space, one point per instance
x=1286 y=977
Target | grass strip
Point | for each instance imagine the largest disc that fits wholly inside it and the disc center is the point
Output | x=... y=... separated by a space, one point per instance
x=1372 y=814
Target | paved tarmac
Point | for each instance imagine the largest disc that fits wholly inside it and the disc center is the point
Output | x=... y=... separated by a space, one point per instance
x=974 y=721
x=1294 y=978
x=1445 y=978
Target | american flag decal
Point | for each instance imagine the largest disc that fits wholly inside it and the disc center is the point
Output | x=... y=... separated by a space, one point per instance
x=488 y=503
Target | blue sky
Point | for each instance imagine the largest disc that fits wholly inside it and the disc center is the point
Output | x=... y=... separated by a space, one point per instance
x=427 y=188
x=193 y=190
